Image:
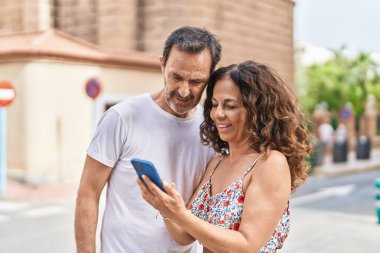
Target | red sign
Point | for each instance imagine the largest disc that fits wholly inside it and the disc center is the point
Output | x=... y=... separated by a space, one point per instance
x=7 y=93
x=93 y=88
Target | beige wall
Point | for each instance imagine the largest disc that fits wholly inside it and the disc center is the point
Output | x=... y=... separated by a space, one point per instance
x=51 y=122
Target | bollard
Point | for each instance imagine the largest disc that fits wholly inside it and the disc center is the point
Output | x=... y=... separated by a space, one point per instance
x=377 y=184
x=318 y=154
x=363 y=148
x=340 y=151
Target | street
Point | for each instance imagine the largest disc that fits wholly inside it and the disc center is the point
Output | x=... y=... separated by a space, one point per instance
x=37 y=226
x=335 y=214
x=329 y=214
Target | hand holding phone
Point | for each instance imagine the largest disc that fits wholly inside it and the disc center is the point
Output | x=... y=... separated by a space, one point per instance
x=143 y=167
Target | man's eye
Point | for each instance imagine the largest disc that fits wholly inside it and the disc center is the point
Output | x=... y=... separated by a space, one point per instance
x=197 y=82
x=214 y=105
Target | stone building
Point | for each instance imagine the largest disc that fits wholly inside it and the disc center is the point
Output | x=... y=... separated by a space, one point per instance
x=248 y=29
x=51 y=121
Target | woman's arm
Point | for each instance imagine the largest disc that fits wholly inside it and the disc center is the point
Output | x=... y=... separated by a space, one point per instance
x=265 y=201
x=178 y=233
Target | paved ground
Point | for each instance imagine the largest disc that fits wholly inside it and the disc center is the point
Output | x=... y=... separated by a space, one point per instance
x=351 y=166
x=37 y=226
x=329 y=232
x=40 y=219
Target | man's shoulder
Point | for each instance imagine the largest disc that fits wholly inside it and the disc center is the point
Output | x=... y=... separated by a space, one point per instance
x=131 y=105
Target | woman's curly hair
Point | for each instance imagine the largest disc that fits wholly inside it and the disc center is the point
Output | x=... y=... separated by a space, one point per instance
x=274 y=121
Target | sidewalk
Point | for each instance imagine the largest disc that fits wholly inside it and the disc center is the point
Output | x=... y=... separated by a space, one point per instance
x=18 y=191
x=313 y=231
x=351 y=166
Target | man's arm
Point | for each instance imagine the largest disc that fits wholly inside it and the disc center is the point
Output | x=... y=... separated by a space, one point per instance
x=94 y=177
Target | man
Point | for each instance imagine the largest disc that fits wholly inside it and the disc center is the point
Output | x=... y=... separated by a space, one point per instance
x=162 y=128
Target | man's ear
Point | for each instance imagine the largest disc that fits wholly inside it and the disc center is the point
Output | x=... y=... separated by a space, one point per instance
x=162 y=64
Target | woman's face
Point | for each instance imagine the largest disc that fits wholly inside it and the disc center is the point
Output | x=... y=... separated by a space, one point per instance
x=228 y=111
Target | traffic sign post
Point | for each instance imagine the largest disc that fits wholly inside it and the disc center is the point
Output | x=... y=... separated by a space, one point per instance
x=377 y=185
x=93 y=89
x=7 y=95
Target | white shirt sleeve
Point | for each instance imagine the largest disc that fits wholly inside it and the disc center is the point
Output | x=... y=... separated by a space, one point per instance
x=108 y=141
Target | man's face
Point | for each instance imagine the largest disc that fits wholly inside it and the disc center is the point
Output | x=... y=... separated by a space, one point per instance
x=185 y=76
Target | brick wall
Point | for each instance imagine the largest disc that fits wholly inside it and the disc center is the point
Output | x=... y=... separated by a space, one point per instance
x=248 y=29
x=256 y=30
x=117 y=24
x=24 y=15
x=76 y=17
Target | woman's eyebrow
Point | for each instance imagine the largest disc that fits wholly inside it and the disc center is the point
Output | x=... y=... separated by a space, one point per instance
x=231 y=100
x=227 y=100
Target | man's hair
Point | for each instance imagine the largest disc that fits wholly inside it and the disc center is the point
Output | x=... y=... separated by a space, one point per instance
x=193 y=40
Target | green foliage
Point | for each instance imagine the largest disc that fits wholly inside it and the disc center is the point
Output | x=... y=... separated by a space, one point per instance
x=339 y=80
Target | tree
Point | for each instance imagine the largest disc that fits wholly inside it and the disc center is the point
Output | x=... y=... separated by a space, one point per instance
x=339 y=80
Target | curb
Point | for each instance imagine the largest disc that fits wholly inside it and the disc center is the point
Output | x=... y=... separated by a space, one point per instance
x=18 y=191
x=320 y=171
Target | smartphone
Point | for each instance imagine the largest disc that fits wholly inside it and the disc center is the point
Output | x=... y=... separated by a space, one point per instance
x=143 y=167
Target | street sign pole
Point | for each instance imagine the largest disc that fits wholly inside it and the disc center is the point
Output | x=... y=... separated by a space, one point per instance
x=3 y=150
x=377 y=185
x=7 y=95
x=94 y=117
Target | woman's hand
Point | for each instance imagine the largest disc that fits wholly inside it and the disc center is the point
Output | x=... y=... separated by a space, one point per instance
x=170 y=204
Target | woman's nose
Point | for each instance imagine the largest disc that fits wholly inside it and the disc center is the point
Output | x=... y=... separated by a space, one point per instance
x=219 y=112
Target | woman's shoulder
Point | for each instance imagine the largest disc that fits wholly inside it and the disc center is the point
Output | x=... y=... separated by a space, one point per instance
x=273 y=166
x=215 y=159
x=274 y=158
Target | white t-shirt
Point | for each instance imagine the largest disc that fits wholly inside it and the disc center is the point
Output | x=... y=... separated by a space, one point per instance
x=139 y=128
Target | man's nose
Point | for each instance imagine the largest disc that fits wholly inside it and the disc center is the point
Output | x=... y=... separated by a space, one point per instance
x=184 y=90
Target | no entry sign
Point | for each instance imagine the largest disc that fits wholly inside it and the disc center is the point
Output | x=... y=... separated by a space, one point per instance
x=93 y=88
x=7 y=93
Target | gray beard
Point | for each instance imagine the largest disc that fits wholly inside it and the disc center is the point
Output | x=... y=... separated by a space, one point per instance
x=172 y=106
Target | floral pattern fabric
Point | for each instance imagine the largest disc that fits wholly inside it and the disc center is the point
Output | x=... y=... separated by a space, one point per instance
x=225 y=210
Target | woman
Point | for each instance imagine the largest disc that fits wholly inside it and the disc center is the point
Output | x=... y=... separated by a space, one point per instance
x=253 y=122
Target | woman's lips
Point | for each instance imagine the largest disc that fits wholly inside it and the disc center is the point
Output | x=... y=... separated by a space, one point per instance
x=223 y=127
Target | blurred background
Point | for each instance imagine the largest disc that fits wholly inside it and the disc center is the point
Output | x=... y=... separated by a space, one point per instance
x=63 y=63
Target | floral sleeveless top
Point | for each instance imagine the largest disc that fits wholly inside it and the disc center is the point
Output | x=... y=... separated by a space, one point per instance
x=225 y=210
